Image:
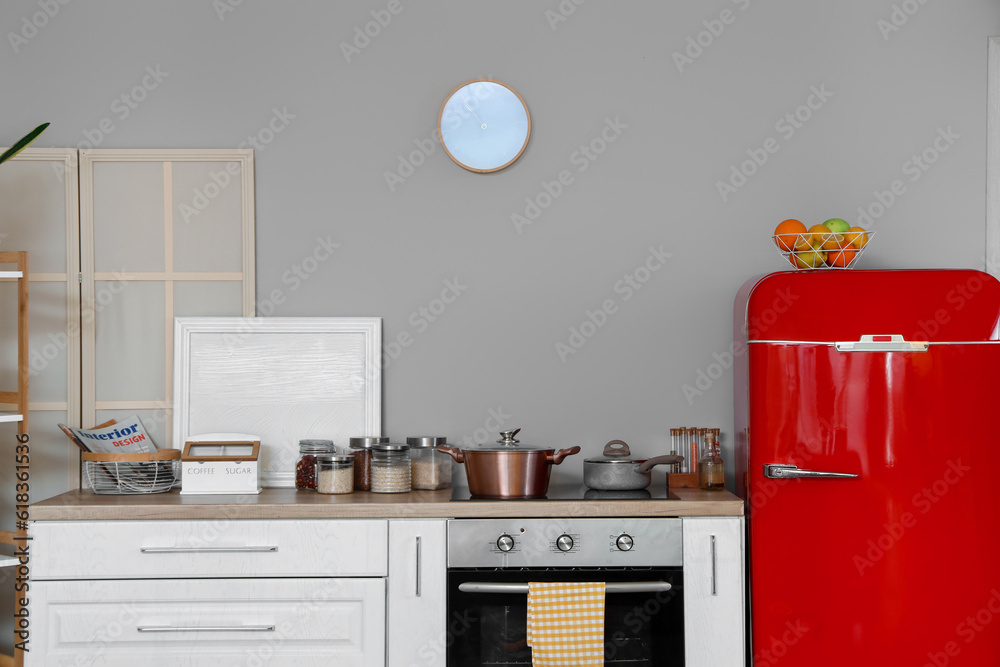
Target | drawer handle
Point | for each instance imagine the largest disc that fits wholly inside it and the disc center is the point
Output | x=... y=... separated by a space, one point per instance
x=205 y=628
x=216 y=550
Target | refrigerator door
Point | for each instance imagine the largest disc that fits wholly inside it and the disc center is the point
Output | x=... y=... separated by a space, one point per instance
x=901 y=564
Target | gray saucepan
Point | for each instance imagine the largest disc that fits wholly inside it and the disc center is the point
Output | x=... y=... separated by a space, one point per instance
x=617 y=470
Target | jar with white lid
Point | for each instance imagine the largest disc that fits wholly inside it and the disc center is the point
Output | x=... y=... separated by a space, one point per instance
x=429 y=468
x=390 y=468
x=334 y=474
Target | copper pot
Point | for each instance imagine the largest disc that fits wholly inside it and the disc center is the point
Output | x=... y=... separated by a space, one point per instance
x=508 y=469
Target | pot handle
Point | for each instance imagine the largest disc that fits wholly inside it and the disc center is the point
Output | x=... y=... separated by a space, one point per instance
x=453 y=452
x=648 y=464
x=557 y=458
x=621 y=450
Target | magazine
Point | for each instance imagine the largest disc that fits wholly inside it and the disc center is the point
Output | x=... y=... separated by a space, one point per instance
x=124 y=437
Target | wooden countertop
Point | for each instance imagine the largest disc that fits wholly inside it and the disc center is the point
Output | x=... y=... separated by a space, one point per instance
x=82 y=505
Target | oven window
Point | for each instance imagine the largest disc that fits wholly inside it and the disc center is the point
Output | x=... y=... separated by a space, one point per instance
x=640 y=629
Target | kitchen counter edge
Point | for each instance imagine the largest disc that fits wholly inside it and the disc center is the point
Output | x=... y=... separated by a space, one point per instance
x=80 y=505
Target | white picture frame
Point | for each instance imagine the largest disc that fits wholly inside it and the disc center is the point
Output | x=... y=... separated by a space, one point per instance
x=280 y=378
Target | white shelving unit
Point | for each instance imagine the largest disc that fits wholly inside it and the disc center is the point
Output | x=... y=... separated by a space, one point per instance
x=17 y=398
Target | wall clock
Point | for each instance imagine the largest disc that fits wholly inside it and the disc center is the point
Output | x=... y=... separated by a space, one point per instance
x=484 y=125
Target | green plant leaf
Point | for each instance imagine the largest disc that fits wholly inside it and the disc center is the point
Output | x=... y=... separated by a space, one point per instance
x=23 y=143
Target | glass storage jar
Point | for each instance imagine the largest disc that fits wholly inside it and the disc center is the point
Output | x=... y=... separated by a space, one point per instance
x=362 y=450
x=305 y=467
x=334 y=474
x=429 y=468
x=390 y=468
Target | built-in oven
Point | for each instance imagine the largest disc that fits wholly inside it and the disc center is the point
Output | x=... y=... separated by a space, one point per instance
x=492 y=561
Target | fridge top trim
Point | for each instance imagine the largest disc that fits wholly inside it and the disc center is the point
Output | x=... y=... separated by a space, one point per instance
x=831 y=343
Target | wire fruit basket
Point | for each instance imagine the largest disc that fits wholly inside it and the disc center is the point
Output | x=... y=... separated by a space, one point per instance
x=806 y=252
x=155 y=472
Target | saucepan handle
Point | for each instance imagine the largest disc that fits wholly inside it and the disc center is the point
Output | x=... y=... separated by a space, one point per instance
x=648 y=464
x=558 y=457
x=453 y=452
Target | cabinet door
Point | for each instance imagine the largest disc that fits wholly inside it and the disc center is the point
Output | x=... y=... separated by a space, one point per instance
x=417 y=595
x=714 y=631
x=208 y=623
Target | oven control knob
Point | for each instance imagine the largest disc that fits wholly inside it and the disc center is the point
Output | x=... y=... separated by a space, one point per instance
x=624 y=542
x=505 y=542
x=564 y=542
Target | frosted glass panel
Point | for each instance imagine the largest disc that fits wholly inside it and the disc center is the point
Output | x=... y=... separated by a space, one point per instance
x=208 y=299
x=128 y=216
x=49 y=341
x=8 y=333
x=33 y=211
x=208 y=205
x=131 y=341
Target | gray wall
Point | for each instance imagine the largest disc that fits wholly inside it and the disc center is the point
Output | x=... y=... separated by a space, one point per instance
x=345 y=124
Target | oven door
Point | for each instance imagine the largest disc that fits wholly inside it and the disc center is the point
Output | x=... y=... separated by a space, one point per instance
x=643 y=626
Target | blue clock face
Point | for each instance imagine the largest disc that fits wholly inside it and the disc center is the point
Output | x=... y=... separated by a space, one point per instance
x=484 y=125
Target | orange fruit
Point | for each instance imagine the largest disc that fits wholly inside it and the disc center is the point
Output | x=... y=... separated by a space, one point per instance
x=857 y=237
x=786 y=233
x=803 y=241
x=820 y=235
x=841 y=258
x=835 y=242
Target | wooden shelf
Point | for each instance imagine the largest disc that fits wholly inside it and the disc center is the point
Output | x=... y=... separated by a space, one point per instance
x=11 y=274
x=8 y=562
x=10 y=417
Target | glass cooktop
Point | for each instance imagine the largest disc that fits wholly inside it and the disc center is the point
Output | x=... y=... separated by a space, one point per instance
x=578 y=492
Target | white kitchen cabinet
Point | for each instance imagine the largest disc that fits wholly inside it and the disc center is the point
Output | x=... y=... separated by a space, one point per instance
x=714 y=623
x=210 y=622
x=208 y=548
x=417 y=591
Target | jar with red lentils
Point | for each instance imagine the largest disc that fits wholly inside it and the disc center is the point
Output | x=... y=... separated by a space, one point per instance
x=305 y=467
x=362 y=450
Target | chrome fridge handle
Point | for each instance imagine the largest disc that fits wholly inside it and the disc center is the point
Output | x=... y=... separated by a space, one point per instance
x=785 y=471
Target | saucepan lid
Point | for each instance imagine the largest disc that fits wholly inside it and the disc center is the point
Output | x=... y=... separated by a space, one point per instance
x=615 y=452
x=507 y=443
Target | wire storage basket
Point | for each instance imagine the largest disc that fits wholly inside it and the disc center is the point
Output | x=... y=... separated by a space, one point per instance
x=155 y=472
x=823 y=251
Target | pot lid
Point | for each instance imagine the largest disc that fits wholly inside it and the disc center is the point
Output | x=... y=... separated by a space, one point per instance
x=507 y=443
x=616 y=451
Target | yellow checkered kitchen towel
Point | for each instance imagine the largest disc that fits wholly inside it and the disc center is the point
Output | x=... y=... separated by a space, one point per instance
x=566 y=624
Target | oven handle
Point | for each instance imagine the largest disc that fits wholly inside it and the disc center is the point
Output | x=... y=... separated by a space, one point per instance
x=611 y=587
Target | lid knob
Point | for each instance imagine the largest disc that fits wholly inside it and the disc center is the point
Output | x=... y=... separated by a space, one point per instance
x=616 y=448
x=507 y=437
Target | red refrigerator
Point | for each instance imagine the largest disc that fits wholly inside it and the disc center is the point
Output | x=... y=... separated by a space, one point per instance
x=867 y=448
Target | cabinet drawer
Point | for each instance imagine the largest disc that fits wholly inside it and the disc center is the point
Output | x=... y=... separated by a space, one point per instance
x=222 y=548
x=274 y=622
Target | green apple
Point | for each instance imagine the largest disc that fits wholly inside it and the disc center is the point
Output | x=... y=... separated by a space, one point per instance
x=837 y=226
